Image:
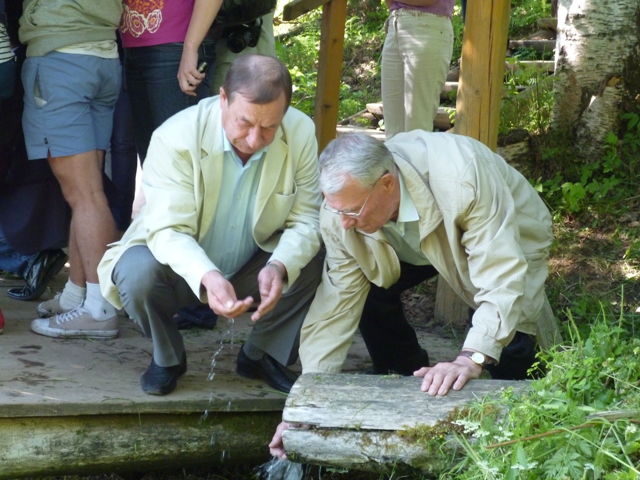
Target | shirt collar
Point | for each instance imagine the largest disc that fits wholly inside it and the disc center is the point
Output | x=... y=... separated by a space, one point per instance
x=407 y=211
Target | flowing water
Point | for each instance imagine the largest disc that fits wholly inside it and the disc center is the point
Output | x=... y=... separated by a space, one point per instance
x=277 y=469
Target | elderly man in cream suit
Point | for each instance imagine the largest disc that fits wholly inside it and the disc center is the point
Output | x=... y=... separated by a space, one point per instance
x=397 y=213
x=231 y=220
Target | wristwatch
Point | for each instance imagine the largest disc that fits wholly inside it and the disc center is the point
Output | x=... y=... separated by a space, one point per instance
x=476 y=357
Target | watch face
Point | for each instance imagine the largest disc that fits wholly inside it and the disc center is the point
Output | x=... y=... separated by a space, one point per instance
x=477 y=358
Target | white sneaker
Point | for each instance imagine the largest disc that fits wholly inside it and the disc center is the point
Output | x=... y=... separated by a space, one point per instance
x=51 y=307
x=76 y=323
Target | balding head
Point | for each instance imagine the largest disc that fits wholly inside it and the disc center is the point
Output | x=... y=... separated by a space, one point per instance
x=258 y=78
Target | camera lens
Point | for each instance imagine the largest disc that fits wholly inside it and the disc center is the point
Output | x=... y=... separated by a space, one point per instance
x=238 y=40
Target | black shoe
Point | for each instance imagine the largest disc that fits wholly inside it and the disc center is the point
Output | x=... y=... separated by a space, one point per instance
x=196 y=316
x=46 y=265
x=276 y=375
x=162 y=380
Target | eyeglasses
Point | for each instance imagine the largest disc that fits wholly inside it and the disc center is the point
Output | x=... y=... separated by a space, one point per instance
x=353 y=214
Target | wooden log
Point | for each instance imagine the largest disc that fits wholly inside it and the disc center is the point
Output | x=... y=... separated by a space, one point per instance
x=85 y=444
x=295 y=8
x=367 y=422
x=548 y=24
x=546 y=65
x=540 y=46
x=334 y=16
x=442 y=120
x=449 y=91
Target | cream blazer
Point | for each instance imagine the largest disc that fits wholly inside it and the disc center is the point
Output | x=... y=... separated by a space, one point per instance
x=482 y=226
x=181 y=184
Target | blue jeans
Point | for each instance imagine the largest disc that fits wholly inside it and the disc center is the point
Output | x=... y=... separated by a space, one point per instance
x=12 y=261
x=124 y=162
x=153 y=88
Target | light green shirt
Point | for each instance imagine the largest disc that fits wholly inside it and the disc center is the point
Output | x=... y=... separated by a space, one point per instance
x=229 y=243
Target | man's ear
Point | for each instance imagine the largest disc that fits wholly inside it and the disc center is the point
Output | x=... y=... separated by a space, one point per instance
x=223 y=94
x=387 y=182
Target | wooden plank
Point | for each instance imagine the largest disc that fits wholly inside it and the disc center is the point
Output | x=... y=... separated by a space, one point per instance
x=378 y=402
x=369 y=422
x=334 y=16
x=450 y=309
x=295 y=8
x=383 y=452
x=49 y=446
x=546 y=65
x=540 y=46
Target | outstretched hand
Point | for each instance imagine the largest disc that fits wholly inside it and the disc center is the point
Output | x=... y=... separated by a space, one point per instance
x=270 y=281
x=442 y=377
x=276 y=447
x=222 y=296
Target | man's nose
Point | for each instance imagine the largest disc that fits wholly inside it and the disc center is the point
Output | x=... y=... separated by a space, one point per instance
x=254 y=139
x=347 y=222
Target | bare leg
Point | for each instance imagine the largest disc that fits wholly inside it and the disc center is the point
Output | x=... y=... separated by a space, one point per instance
x=92 y=226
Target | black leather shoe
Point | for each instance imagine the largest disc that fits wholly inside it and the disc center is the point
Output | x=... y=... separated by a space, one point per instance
x=46 y=265
x=276 y=375
x=159 y=380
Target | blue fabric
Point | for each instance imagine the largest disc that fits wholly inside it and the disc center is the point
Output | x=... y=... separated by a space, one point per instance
x=124 y=162
x=153 y=88
x=7 y=79
x=68 y=103
x=12 y=261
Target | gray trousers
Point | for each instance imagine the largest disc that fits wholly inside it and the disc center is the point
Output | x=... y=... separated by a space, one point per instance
x=152 y=293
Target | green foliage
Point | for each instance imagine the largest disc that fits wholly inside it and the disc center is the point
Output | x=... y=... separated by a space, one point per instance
x=528 y=102
x=525 y=13
x=364 y=36
x=578 y=422
x=597 y=183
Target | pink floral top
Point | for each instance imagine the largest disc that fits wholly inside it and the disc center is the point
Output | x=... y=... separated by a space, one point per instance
x=146 y=23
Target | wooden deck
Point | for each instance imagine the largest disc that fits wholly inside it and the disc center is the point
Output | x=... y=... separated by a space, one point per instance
x=75 y=406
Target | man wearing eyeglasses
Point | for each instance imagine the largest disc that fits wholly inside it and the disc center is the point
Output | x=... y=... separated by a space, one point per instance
x=230 y=220
x=400 y=212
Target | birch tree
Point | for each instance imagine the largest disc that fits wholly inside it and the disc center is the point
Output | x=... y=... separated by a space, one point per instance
x=597 y=69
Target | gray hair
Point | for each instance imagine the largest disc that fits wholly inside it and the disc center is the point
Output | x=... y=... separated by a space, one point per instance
x=355 y=155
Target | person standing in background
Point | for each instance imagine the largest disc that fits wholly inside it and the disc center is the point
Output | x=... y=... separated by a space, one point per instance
x=71 y=79
x=164 y=44
x=415 y=61
x=266 y=46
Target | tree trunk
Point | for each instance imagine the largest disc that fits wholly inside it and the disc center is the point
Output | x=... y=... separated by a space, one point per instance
x=597 y=69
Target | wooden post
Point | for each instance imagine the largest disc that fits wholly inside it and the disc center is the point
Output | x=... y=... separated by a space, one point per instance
x=334 y=17
x=477 y=106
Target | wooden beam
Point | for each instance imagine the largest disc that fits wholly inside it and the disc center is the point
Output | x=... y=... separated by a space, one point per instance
x=365 y=421
x=482 y=70
x=334 y=17
x=86 y=444
x=294 y=9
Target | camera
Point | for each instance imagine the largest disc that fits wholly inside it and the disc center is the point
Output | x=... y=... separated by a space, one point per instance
x=244 y=35
x=239 y=22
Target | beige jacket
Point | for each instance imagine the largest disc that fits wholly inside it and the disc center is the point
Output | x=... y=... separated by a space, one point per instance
x=482 y=226
x=181 y=184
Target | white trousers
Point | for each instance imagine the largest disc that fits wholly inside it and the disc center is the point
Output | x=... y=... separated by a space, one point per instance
x=415 y=61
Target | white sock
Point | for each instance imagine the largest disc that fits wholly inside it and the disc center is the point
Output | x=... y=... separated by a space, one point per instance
x=72 y=295
x=96 y=304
